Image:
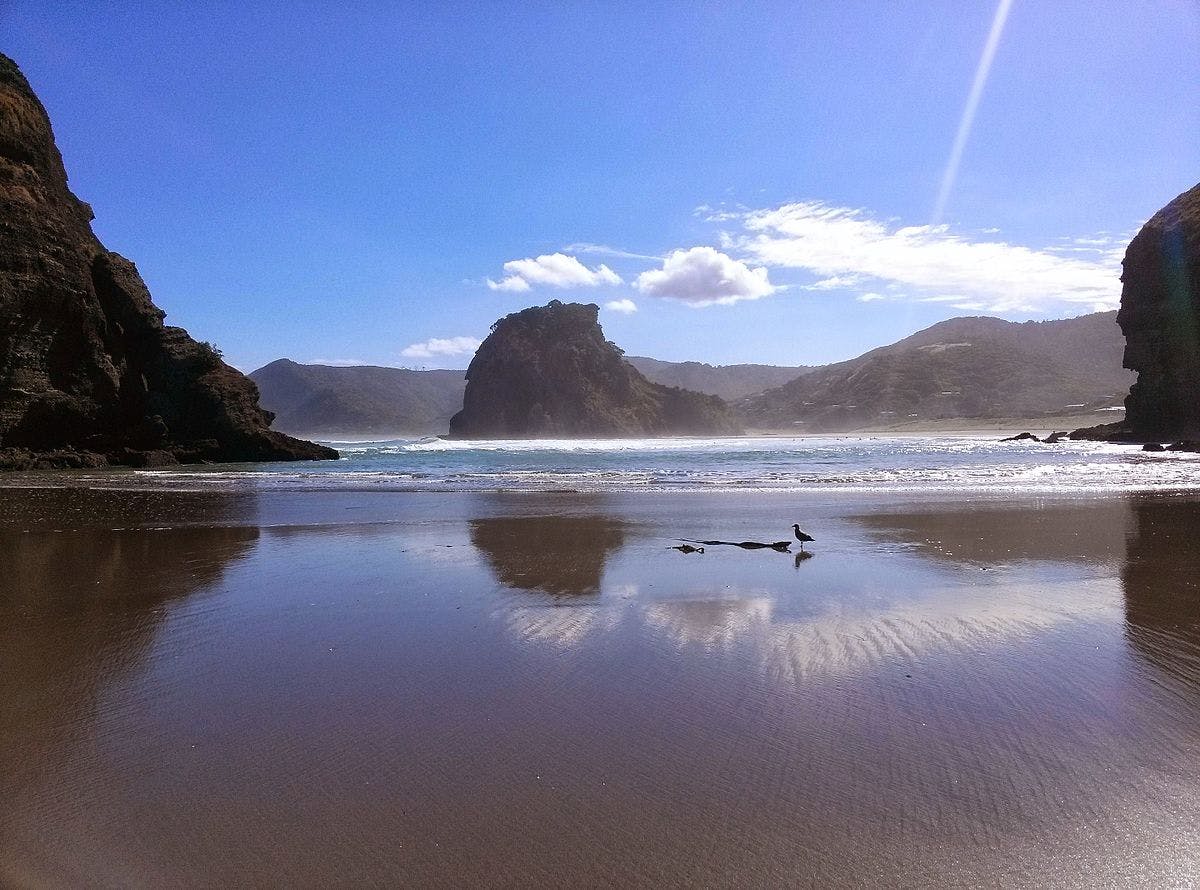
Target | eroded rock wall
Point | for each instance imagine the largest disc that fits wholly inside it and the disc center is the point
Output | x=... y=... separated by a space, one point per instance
x=89 y=374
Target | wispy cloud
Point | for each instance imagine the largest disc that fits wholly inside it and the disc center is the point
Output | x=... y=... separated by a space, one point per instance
x=439 y=346
x=552 y=270
x=627 y=306
x=837 y=282
x=703 y=276
x=337 y=362
x=927 y=262
x=605 y=250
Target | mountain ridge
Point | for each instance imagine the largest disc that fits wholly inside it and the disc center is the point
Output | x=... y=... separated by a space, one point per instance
x=970 y=367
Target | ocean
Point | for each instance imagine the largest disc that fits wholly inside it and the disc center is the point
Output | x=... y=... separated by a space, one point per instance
x=827 y=464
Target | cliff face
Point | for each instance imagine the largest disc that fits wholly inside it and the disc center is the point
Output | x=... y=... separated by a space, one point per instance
x=548 y=371
x=89 y=373
x=1160 y=317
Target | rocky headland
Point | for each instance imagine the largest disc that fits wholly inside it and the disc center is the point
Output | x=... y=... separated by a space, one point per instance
x=547 y=371
x=1160 y=318
x=89 y=374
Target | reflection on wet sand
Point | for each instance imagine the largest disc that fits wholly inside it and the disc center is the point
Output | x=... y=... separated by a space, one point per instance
x=560 y=555
x=996 y=533
x=796 y=633
x=81 y=603
x=1161 y=577
x=350 y=699
x=711 y=623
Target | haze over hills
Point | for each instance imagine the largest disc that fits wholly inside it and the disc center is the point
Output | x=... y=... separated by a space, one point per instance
x=359 y=402
x=971 y=368
x=962 y=368
x=727 y=381
x=355 y=402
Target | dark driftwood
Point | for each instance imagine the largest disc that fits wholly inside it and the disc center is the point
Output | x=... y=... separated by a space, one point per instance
x=778 y=546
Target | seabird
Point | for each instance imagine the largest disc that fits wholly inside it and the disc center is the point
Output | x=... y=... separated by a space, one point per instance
x=802 y=536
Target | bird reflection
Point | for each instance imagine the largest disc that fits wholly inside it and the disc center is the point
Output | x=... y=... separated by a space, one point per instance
x=560 y=555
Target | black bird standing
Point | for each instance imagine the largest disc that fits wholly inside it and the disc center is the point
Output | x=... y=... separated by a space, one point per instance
x=802 y=536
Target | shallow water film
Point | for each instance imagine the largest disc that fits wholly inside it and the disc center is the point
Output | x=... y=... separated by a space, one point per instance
x=247 y=687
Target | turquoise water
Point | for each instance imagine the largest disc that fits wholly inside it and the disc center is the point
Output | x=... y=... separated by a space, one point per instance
x=895 y=463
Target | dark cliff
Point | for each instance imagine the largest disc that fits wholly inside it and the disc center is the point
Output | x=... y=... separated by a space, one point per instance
x=1160 y=317
x=89 y=374
x=548 y=371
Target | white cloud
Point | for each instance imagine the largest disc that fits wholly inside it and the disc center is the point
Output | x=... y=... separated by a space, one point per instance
x=928 y=261
x=627 y=306
x=337 y=362
x=553 y=270
x=438 y=346
x=870 y=298
x=703 y=276
x=835 y=283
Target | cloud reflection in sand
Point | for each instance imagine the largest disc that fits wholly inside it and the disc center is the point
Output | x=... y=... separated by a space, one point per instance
x=956 y=586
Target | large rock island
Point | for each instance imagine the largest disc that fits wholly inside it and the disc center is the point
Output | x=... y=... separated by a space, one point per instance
x=547 y=371
x=89 y=374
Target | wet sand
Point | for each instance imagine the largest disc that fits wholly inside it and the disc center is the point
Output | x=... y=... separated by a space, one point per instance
x=324 y=688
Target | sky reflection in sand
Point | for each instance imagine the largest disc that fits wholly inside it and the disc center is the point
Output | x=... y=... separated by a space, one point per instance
x=345 y=687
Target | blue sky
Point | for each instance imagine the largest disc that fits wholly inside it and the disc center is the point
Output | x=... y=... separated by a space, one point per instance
x=761 y=181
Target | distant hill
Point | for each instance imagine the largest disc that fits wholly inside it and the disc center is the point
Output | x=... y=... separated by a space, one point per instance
x=968 y=368
x=358 y=402
x=548 y=371
x=727 y=381
x=965 y=368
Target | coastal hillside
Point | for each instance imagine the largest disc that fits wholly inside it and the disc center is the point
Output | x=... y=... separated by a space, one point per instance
x=89 y=374
x=548 y=371
x=360 y=401
x=332 y=402
x=962 y=368
x=727 y=381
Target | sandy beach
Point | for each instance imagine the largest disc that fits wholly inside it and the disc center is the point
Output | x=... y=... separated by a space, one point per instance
x=312 y=688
